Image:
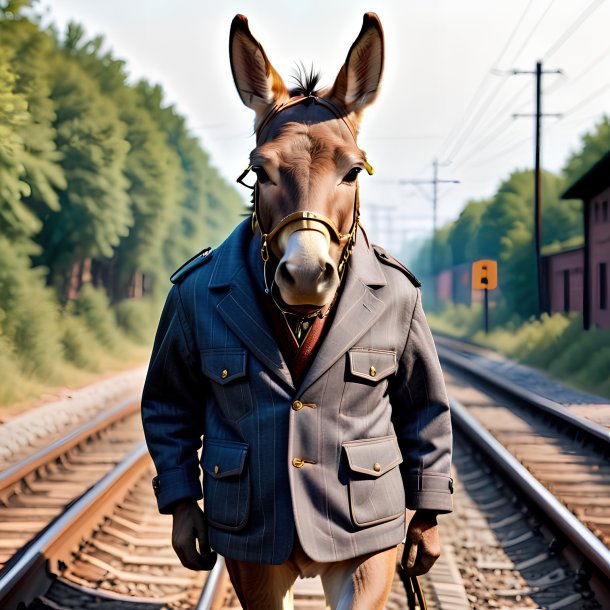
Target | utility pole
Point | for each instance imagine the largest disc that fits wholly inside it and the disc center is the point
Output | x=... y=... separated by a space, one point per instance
x=537 y=182
x=434 y=182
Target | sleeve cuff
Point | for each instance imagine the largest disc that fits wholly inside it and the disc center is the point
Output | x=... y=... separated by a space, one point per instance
x=174 y=485
x=429 y=492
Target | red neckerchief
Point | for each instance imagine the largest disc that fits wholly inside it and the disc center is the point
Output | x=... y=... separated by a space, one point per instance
x=297 y=357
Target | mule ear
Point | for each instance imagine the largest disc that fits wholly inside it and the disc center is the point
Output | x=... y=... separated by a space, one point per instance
x=358 y=80
x=257 y=82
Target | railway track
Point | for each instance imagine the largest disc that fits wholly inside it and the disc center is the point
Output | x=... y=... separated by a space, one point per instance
x=109 y=550
x=565 y=456
x=502 y=549
x=37 y=489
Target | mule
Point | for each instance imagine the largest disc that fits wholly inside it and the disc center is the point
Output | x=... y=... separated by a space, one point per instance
x=301 y=355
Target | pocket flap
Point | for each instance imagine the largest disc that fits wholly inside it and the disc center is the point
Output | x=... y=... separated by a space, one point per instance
x=372 y=364
x=223 y=458
x=373 y=456
x=224 y=365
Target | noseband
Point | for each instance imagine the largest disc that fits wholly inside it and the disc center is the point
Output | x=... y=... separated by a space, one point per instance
x=306 y=219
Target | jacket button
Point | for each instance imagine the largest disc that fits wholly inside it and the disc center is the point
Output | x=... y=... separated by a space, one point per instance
x=372 y=371
x=224 y=374
x=377 y=467
x=298 y=462
x=297 y=405
x=216 y=469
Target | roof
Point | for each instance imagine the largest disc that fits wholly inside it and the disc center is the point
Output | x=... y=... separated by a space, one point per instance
x=596 y=180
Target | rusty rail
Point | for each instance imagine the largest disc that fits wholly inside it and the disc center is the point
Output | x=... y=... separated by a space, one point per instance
x=29 y=576
x=15 y=473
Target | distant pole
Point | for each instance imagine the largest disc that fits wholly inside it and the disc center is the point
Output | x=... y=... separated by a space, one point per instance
x=537 y=181
x=434 y=182
x=486 y=307
x=538 y=190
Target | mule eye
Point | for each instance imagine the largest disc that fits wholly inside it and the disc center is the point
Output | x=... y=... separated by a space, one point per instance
x=261 y=174
x=352 y=175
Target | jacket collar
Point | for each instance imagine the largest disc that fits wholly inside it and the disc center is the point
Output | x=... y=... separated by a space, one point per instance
x=356 y=310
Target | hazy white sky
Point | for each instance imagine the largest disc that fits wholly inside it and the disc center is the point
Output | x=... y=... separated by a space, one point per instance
x=439 y=96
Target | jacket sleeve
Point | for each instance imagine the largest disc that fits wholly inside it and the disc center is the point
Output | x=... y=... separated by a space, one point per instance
x=421 y=417
x=172 y=408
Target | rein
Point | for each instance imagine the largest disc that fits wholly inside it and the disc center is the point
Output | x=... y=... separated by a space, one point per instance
x=306 y=219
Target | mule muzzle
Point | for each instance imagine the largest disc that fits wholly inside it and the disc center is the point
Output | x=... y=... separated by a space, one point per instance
x=306 y=274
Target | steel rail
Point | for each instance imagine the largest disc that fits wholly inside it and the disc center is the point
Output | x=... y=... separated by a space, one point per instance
x=579 y=535
x=553 y=408
x=16 y=472
x=29 y=576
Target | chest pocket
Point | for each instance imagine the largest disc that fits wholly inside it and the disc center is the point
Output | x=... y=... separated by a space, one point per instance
x=227 y=370
x=366 y=375
x=371 y=364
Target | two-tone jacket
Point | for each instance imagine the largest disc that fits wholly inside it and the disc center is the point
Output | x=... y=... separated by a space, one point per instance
x=334 y=460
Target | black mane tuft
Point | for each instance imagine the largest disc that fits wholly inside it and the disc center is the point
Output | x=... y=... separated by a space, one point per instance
x=305 y=81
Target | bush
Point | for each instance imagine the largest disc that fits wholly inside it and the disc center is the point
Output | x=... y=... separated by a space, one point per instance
x=92 y=306
x=556 y=344
x=79 y=343
x=29 y=314
x=139 y=318
x=10 y=376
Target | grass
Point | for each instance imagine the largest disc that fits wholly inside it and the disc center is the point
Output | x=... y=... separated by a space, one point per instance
x=73 y=346
x=555 y=344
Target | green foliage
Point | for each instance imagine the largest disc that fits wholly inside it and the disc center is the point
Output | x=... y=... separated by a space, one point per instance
x=457 y=320
x=138 y=318
x=595 y=145
x=29 y=314
x=93 y=307
x=15 y=219
x=101 y=184
x=555 y=344
x=10 y=374
x=94 y=208
x=501 y=228
x=79 y=343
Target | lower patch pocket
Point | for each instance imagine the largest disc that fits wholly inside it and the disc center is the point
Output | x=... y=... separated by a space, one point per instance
x=226 y=484
x=376 y=492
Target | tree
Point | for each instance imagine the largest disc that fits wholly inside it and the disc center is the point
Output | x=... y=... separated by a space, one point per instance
x=464 y=230
x=33 y=53
x=595 y=145
x=16 y=221
x=94 y=207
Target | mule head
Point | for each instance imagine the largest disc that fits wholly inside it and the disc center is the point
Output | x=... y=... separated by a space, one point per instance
x=307 y=161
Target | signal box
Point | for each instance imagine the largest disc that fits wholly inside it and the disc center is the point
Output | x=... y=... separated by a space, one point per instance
x=484 y=275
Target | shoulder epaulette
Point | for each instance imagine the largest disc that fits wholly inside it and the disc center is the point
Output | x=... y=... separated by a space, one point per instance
x=387 y=259
x=192 y=263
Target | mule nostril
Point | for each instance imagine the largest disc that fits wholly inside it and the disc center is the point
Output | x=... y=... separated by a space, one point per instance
x=285 y=274
x=328 y=272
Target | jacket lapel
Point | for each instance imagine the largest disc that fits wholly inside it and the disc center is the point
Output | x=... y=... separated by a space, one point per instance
x=240 y=308
x=357 y=310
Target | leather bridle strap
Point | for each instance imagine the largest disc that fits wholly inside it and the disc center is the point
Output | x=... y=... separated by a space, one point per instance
x=294 y=101
x=306 y=219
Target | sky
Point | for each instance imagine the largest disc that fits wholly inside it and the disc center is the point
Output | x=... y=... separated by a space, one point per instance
x=448 y=90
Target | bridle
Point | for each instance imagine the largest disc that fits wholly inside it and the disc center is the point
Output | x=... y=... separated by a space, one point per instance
x=305 y=219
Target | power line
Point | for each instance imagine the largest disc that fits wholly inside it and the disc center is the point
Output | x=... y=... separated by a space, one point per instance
x=572 y=29
x=486 y=104
x=572 y=81
x=479 y=90
x=587 y=100
x=555 y=46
